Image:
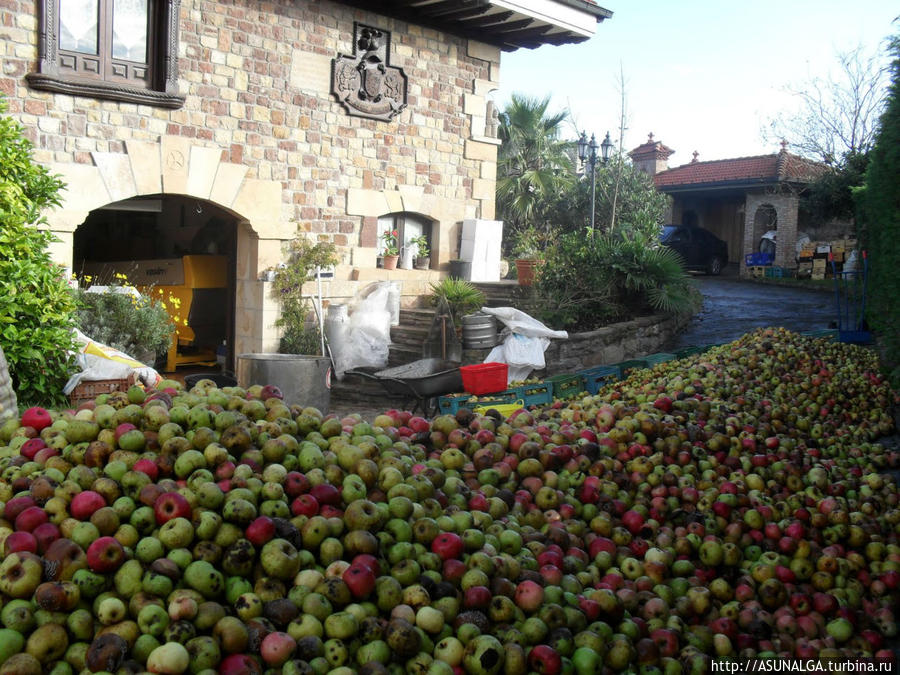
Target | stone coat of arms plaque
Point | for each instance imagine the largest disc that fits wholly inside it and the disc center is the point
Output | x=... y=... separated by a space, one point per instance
x=365 y=83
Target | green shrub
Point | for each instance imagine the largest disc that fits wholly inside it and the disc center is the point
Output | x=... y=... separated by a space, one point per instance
x=880 y=201
x=37 y=310
x=300 y=336
x=140 y=326
x=588 y=282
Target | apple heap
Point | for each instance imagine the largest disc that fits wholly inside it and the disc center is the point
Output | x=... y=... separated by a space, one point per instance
x=735 y=503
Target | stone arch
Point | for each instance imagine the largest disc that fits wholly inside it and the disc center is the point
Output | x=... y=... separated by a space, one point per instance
x=177 y=166
x=764 y=212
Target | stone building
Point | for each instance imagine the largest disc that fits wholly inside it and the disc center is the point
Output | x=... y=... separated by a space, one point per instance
x=226 y=128
x=737 y=199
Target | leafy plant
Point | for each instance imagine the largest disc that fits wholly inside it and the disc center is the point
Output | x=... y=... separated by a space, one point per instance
x=527 y=244
x=37 y=311
x=588 y=282
x=421 y=242
x=461 y=295
x=880 y=201
x=300 y=336
x=136 y=324
x=391 y=247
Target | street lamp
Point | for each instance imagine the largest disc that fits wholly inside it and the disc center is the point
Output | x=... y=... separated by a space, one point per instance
x=587 y=154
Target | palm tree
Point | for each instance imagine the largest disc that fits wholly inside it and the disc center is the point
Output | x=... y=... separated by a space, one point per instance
x=535 y=164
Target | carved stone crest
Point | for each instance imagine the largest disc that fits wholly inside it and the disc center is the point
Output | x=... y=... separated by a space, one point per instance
x=365 y=83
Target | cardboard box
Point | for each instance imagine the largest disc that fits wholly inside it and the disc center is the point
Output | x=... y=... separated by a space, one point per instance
x=838 y=256
x=823 y=248
x=819 y=264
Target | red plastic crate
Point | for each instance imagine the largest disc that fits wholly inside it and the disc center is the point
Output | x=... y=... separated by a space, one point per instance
x=484 y=378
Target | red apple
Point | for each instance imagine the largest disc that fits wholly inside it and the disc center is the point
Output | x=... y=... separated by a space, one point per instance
x=85 y=503
x=37 y=418
x=171 y=505
x=447 y=545
x=105 y=554
x=261 y=530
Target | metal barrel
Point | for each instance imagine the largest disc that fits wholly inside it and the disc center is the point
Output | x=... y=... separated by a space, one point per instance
x=479 y=331
x=303 y=380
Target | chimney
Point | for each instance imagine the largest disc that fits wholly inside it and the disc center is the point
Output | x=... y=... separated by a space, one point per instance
x=652 y=157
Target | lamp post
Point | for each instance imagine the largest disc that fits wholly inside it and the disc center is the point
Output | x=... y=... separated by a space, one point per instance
x=587 y=154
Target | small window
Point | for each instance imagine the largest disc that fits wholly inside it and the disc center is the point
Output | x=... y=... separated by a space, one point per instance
x=123 y=50
x=409 y=226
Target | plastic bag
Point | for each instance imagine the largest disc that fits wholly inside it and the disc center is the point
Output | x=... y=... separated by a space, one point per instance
x=8 y=404
x=369 y=331
x=525 y=343
x=100 y=362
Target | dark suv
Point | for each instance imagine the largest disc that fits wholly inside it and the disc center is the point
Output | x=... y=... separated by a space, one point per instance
x=700 y=250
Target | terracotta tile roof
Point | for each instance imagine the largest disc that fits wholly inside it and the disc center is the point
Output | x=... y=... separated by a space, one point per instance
x=651 y=150
x=782 y=166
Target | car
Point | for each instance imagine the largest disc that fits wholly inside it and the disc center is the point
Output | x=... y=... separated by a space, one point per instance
x=699 y=248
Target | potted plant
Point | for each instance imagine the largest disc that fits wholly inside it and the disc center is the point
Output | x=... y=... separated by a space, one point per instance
x=526 y=253
x=423 y=254
x=460 y=295
x=391 y=250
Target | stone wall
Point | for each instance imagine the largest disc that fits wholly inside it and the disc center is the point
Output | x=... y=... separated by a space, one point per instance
x=612 y=344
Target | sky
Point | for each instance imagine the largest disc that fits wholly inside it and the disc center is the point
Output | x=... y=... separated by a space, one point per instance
x=701 y=75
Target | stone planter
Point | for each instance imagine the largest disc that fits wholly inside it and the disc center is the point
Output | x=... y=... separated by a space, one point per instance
x=422 y=263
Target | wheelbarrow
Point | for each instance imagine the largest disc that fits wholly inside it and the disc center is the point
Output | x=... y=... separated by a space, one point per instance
x=420 y=381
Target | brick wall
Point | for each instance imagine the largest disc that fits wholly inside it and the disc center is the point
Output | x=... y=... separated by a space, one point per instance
x=256 y=77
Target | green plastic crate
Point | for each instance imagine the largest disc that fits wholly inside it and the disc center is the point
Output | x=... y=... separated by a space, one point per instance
x=539 y=393
x=451 y=403
x=689 y=351
x=659 y=357
x=599 y=376
x=567 y=386
x=625 y=367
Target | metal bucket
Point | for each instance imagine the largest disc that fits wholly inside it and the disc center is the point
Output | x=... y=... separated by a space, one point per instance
x=304 y=380
x=479 y=331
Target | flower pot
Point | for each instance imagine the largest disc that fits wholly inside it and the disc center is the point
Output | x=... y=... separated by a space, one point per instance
x=422 y=263
x=525 y=270
x=390 y=262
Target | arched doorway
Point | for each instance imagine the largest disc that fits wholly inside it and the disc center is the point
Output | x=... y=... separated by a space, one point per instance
x=183 y=246
x=764 y=220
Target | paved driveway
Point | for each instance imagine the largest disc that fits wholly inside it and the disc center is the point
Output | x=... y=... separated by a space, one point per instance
x=732 y=307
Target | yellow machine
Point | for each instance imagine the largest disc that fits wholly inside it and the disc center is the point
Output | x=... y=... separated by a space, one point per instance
x=194 y=290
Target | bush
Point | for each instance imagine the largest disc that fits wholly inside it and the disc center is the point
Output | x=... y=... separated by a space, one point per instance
x=300 y=336
x=880 y=200
x=138 y=325
x=37 y=310
x=588 y=282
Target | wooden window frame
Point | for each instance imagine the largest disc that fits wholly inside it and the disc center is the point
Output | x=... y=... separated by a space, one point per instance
x=161 y=89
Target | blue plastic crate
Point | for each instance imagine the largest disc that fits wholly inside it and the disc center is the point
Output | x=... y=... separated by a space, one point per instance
x=758 y=259
x=567 y=386
x=599 y=376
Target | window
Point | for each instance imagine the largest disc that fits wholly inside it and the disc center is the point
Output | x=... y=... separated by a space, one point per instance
x=408 y=225
x=123 y=50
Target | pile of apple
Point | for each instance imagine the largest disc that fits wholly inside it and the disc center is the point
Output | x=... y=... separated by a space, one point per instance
x=734 y=504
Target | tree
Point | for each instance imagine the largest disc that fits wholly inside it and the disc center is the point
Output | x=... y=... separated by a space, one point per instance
x=37 y=310
x=534 y=163
x=639 y=208
x=837 y=115
x=880 y=201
